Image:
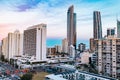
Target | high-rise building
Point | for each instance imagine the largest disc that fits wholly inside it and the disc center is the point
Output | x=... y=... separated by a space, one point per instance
x=71 y=26
x=97 y=31
x=65 y=46
x=58 y=48
x=5 y=47
x=21 y=45
x=0 y=50
x=12 y=45
x=15 y=44
x=111 y=32
x=81 y=47
x=35 y=42
x=118 y=28
x=108 y=52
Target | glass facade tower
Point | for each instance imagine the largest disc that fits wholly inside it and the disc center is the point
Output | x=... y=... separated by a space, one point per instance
x=97 y=25
x=71 y=26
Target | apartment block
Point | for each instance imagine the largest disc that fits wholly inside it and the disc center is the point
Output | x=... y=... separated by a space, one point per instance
x=108 y=53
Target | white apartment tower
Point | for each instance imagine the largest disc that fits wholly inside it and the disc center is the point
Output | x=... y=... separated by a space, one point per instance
x=35 y=42
x=12 y=45
x=15 y=44
x=4 y=47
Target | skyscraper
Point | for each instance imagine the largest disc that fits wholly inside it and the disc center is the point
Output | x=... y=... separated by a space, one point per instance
x=12 y=45
x=71 y=26
x=97 y=31
x=118 y=28
x=35 y=42
x=5 y=48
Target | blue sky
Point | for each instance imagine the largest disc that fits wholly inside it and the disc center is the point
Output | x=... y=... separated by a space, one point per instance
x=20 y=14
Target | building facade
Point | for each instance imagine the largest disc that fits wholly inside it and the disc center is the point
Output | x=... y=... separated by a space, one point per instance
x=12 y=45
x=71 y=26
x=4 y=47
x=58 y=48
x=72 y=51
x=97 y=25
x=35 y=41
x=118 y=28
x=93 y=43
x=108 y=52
x=15 y=44
x=81 y=47
x=110 y=31
x=84 y=56
x=51 y=51
x=65 y=46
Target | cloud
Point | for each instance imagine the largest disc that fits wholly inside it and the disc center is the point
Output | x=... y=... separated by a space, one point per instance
x=5 y=28
x=24 y=13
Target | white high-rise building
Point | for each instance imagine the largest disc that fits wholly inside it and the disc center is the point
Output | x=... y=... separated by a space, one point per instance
x=65 y=45
x=35 y=42
x=21 y=45
x=4 y=48
x=15 y=41
x=12 y=45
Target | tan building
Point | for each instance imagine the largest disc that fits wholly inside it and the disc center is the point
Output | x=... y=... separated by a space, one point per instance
x=71 y=26
x=108 y=51
x=58 y=48
x=85 y=57
x=65 y=46
x=92 y=44
x=51 y=51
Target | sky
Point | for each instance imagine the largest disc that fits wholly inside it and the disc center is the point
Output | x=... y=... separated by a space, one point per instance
x=20 y=14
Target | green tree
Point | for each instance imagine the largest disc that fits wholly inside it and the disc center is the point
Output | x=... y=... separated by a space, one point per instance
x=27 y=76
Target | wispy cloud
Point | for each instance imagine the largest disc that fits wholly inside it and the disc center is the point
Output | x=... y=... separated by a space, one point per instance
x=23 y=13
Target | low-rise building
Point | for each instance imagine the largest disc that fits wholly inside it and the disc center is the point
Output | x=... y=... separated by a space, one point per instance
x=84 y=57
